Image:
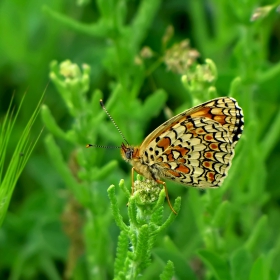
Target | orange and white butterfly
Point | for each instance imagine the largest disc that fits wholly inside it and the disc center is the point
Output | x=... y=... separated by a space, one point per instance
x=194 y=148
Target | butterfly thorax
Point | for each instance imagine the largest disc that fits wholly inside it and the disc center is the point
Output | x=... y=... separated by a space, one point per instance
x=131 y=154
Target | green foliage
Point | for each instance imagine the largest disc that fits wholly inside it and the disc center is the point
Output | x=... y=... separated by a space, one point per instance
x=10 y=175
x=145 y=224
x=62 y=222
x=168 y=271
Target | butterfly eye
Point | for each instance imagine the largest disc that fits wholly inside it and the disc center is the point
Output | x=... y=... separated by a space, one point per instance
x=129 y=153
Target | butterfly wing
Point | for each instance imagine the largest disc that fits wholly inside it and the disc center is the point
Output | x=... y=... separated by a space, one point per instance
x=224 y=110
x=195 y=147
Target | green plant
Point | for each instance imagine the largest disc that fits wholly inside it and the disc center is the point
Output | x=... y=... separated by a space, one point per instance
x=136 y=240
x=231 y=50
x=9 y=174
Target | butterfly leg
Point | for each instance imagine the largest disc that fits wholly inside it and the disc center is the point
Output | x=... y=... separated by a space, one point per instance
x=132 y=180
x=167 y=197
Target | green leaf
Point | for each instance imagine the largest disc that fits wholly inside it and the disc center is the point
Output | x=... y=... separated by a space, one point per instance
x=142 y=20
x=141 y=251
x=259 y=270
x=103 y=172
x=256 y=233
x=51 y=124
x=59 y=162
x=172 y=216
x=221 y=214
x=21 y=154
x=235 y=87
x=271 y=138
x=121 y=253
x=241 y=263
x=217 y=264
x=115 y=209
x=96 y=29
x=168 y=271
x=183 y=269
x=153 y=104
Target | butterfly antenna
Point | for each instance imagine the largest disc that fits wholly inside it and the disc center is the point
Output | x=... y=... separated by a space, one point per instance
x=101 y=146
x=112 y=120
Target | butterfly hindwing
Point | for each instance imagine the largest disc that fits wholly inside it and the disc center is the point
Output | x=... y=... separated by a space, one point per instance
x=195 y=147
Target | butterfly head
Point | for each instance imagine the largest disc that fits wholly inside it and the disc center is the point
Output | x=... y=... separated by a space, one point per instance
x=129 y=152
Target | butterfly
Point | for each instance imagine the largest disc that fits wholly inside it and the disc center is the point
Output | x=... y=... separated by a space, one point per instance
x=194 y=148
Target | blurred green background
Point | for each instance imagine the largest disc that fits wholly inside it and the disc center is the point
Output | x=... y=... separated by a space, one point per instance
x=59 y=224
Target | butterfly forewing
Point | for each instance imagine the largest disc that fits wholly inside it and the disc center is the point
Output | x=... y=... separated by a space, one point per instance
x=224 y=110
